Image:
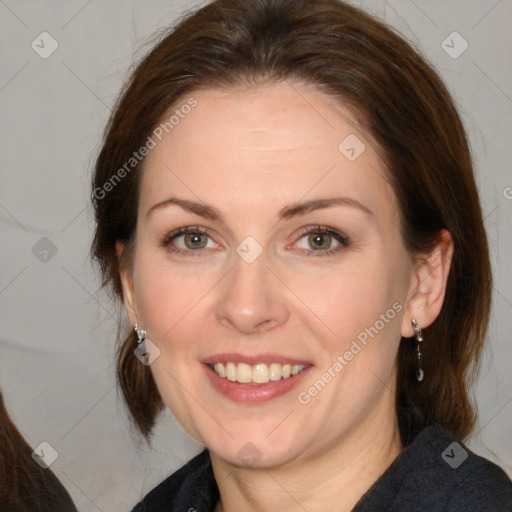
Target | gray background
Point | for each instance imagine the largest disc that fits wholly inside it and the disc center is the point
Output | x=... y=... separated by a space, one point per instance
x=57 y=330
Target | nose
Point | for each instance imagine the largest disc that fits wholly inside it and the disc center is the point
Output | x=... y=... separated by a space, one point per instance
x=253 y=299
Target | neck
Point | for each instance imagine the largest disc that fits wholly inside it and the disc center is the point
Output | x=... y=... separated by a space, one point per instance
x=313 y=482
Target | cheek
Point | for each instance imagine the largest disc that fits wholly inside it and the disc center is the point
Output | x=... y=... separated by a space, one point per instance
x=360 y=307
x=172 y=309
x=166 y=298
x=351 y=296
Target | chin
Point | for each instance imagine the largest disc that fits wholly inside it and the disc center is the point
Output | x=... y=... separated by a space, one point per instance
x=255 y=448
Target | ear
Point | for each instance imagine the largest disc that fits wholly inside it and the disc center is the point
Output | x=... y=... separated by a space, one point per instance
x=127 y=284
x=428 y=287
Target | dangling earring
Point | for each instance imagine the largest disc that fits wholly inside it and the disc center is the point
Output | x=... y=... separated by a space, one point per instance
x=145 y=351
x=141 y=335
x=419 y=338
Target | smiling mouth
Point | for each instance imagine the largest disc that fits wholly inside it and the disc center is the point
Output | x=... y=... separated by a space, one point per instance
x=256 y=374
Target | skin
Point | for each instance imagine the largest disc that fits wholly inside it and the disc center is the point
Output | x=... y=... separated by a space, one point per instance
x=249 y=153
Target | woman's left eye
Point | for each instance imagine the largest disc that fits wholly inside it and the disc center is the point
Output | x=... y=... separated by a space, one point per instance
x=320 y=240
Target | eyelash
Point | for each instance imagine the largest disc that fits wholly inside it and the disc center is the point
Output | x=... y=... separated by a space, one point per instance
x=323 y=230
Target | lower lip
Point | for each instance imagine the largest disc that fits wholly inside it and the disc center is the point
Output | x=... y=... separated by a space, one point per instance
x=254 y=393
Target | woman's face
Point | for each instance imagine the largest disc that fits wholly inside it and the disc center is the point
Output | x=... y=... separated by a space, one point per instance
x=292 y=262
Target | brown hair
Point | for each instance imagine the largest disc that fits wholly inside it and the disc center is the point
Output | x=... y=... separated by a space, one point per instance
x=401 y=102
x=24 y=485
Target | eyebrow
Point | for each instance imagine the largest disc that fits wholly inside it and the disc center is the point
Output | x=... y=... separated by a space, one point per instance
x=292 y=210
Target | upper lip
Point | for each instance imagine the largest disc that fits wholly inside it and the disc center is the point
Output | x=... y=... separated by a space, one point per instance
x=252 y=360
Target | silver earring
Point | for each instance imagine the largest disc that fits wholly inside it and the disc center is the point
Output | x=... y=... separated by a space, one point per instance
x=141 y=334
x=418 y=331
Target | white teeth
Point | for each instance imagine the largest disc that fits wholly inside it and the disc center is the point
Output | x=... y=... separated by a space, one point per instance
x=219 y=370
x=275 y=371
x=260 y=374
x=230 y=371
x=296 y=368
x=244 y=373
x=257 y=374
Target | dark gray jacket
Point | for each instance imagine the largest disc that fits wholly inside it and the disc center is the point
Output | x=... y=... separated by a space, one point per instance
x=434 y=473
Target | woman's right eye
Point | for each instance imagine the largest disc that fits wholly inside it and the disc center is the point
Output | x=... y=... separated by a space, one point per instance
x=186 y=241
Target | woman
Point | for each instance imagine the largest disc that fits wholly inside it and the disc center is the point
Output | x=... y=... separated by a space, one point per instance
x=25 y=485
x=285 y=202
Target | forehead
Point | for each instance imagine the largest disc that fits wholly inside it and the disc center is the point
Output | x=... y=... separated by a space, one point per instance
x=268 y=145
